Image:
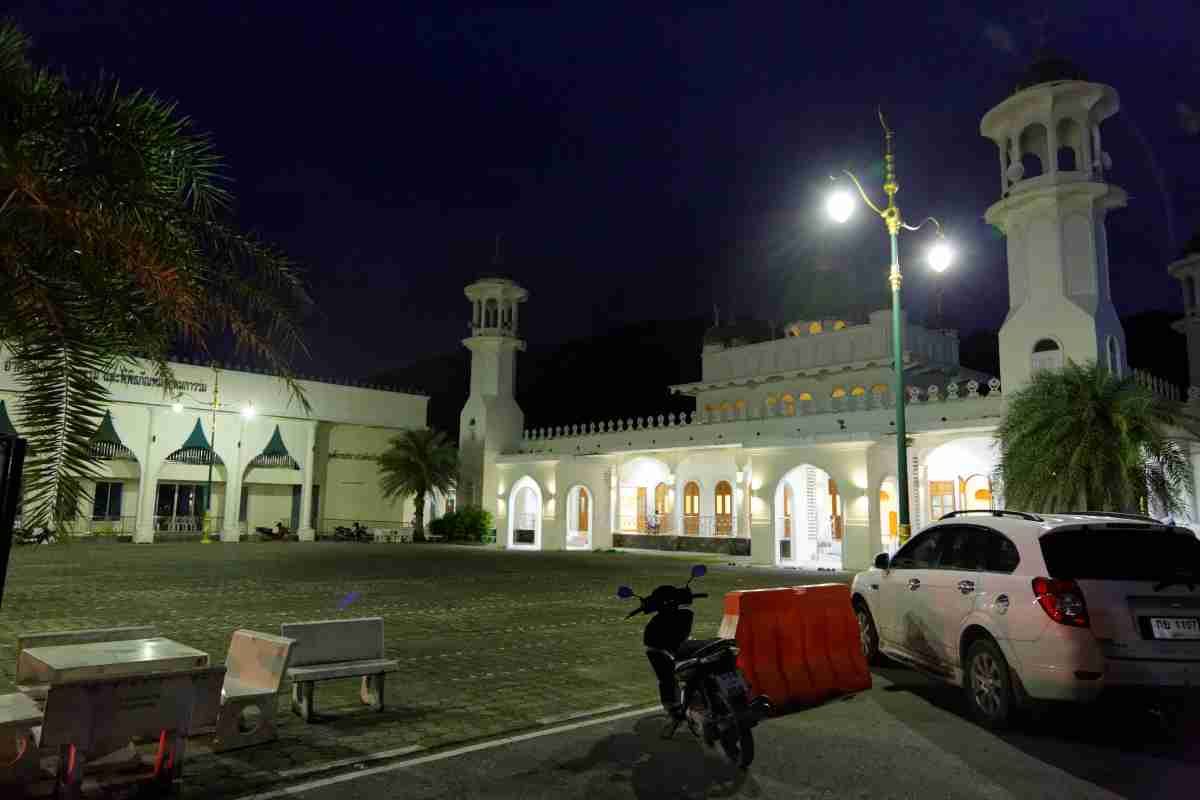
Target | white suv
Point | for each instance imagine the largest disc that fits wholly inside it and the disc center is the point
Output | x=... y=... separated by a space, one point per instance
x=1015 y=607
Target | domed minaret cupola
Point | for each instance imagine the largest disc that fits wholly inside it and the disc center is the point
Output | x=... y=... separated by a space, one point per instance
x=1054 y=197
x=491 y=421
x=1187 y=271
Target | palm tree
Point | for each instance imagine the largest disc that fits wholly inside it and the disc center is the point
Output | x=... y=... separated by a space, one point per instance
x=115 y=248
x=1081 y=438
x=416 y=463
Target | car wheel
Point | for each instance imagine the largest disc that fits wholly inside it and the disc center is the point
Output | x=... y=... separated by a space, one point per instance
x=988 y=685
x=868 y=635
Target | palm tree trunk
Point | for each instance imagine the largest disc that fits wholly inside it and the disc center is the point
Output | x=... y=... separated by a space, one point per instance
x=419 y=518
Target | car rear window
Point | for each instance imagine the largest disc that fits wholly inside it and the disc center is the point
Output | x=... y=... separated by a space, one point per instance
x=1127 y=553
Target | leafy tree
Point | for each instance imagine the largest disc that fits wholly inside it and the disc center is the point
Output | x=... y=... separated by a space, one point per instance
x=115 y=245
x=416 y=463
x=1081 y=438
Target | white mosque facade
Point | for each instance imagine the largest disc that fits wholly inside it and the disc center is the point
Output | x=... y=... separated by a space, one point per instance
x=789 y=456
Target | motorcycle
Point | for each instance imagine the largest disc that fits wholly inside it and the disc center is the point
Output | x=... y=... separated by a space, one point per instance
x=278 y=534
x=699 y=680
x=356 y=533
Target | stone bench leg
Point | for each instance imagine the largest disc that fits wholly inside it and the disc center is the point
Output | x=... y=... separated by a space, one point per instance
x=18 y=758
x=302 y=700
x=372 y=691
x=230 y=733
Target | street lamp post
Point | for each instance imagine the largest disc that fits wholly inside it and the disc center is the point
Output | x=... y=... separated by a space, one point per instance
x=247 y=412
x=840 y=206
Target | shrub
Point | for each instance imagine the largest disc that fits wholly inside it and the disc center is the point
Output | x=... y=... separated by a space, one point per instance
x=443 y=526
x=464 y=525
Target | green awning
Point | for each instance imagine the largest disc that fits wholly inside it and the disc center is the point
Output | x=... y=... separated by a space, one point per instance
x=275 y=447
x=6 y=426
x=275 y=454
x=107 y=444
x=196 y=441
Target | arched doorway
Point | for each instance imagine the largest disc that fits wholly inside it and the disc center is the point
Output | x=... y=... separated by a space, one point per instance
x=525 y=515
x=639 y=479
x=889 y=517
x=691 y=508
x=664 y=508
x=959 y=476
x=579 y=518
x=723 y=504
x=808 y=519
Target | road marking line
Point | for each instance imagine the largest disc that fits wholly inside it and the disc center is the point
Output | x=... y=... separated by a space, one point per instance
x=291 y=791
x=580 y=714
x=345 y=762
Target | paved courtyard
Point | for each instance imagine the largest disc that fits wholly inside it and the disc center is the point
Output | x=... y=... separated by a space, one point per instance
x=488 y=642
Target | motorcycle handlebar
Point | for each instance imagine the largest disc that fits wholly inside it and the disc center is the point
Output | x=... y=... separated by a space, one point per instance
x=633 y=613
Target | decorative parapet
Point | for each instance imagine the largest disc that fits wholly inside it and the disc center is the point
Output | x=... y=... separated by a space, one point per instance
x=1160 y=387
x=957 y=391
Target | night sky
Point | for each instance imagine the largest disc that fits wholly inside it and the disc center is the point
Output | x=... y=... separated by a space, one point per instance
x=639 y=166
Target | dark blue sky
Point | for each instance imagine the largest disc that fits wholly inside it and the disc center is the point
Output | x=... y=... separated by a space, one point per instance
x=640 y=165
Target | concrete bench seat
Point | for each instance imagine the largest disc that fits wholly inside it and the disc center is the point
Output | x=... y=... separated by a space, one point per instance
x=26 y=684
x=344 y=669
x=333 y=649
x=87 y=719
x=254 y=670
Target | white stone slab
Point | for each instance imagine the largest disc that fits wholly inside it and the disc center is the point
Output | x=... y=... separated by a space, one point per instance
x=18 y=713
x=109 y=659
x=328 y=641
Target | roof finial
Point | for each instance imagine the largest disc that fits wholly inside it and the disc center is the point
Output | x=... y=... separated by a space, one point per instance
x=497 y=258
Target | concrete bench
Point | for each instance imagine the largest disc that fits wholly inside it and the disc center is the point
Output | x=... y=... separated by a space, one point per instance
x=92 y=718
x=332 y=649
x=23 y=678
x=254 y=670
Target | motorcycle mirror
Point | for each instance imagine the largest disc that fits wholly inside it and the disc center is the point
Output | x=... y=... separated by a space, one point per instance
x=624 y=592
x=699 y=571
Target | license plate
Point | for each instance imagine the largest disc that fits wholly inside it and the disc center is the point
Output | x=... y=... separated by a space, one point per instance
x=1175 y=627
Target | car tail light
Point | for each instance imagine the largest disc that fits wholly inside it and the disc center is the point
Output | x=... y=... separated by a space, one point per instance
x=1062 y=600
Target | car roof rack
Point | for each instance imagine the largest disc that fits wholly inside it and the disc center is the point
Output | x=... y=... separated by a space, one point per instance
x=1113 y=514
x=995 y=512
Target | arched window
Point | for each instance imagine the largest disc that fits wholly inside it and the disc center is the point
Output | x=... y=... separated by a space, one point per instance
x=1114 y=356
x=772 y=402
x=1047 y=355
x=724 y=506
x=661 y=495
x=838 y=392
x=491 y=314
x=789 y=405
x=1070 y=146
x=814 y=327
x=1032 y=145
x=691 y=508
x=837 y=326
x=858 y=391
x=726 y=410
x=584 y=515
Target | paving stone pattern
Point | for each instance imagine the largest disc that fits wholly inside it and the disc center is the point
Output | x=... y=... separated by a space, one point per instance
x=488 y=642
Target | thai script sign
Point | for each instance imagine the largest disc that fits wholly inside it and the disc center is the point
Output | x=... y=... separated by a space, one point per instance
x=136 y=379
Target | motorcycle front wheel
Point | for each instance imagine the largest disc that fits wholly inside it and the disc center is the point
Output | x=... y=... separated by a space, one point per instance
x=738 y=745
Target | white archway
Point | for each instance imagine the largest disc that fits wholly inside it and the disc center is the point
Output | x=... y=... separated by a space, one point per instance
x=525 y=515
x=639 y=480
x=958 y=476
x=807 y=516
x=581 y=509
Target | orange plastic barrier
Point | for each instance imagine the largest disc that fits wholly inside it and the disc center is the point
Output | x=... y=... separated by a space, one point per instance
x=798 y=645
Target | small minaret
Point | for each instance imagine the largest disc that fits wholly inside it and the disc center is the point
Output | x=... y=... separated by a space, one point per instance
x=491 y=421
x=1187 y=271
x=1054 y=198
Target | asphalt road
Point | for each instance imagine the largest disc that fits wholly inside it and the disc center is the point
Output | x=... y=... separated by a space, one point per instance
x=905 y=737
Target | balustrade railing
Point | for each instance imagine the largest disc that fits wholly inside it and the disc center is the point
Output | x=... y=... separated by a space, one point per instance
x=843 y=402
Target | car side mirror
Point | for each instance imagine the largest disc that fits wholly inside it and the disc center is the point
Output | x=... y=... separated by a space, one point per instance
x=624 y=592
x=882 y=561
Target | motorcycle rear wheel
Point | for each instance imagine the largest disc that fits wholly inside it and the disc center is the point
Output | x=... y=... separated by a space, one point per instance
x=738 y=745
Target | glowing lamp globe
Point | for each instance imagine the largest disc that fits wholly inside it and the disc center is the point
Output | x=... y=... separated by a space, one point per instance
x=248 y=411
x=177 y=407
x=840 y=205
x=941 y=255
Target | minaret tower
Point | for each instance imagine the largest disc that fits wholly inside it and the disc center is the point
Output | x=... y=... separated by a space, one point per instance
x=491 y=421
x=1187 y=271
x=1054 y=197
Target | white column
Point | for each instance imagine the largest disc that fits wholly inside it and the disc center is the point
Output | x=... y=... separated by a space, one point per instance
x=147 y=485
x=307 y=534
x=516 y=305
x=230 y=527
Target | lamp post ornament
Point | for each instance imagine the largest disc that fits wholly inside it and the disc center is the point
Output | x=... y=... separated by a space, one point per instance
x=840 y=207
